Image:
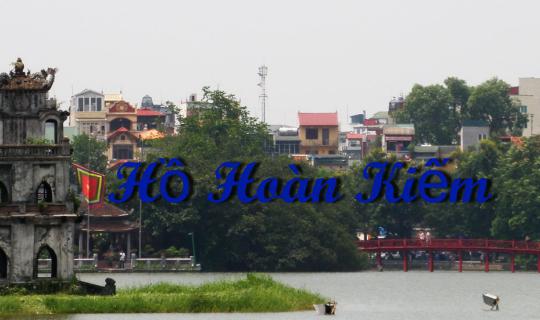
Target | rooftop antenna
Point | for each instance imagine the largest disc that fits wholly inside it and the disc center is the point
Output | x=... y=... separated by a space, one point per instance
x=263 y=72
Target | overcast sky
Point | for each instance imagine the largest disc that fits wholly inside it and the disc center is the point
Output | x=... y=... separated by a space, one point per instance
x=347 y=56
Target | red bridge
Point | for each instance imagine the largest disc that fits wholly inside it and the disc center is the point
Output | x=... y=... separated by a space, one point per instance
x=510 y=247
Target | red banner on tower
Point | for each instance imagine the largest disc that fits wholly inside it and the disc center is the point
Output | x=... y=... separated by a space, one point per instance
x=92 y=184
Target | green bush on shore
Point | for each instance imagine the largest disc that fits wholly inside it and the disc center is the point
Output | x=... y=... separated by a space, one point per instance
x=256 y=293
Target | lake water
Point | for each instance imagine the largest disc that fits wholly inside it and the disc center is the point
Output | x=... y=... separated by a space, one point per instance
x=370 y=295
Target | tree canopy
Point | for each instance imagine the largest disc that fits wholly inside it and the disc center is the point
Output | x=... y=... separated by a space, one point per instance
x=438 y=111
x=89 y=152
x=238 y=236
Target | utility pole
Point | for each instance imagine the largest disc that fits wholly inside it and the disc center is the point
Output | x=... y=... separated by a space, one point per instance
x=263 y=72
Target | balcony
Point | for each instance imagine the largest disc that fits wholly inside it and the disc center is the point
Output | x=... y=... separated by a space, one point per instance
x=318 y=143
x=29 y=151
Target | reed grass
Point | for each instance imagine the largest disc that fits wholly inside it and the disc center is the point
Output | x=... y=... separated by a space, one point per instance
x=255 y=293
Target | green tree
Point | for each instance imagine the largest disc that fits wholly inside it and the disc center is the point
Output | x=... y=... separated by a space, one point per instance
x=89 y=152
x=471 y=220
x=236 y=236
x=460 y=92
x=429 y=108
x=398 y=218
x=491 y=102
x=518 y=186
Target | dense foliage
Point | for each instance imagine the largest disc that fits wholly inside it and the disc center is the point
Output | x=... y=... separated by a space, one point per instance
x=513 y=213
x=89 y=152
x=237 y=236
x=438 y=111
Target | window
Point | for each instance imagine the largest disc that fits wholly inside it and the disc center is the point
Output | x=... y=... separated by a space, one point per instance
x=3 y=265
x=44 y=192
x=122 y=151
x=3 y=193
x=46 y=263
x=50 y=131
x=98 y=105
x=91 y=128
x=523 y=109
x=312 y=133
x=325 y=136
x=89 y=104
x=119 y=123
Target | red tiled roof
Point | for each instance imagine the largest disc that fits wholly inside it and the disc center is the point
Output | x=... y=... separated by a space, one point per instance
x=103 y=209
x=354 y=136
x=149 y=113
x=110 y=226
x=121 y=130
x=318 y=119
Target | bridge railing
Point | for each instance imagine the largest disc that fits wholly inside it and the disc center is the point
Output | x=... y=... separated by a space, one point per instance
x=450 y=244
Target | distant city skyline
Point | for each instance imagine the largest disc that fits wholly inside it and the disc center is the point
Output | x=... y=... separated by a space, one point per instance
x=344 y=56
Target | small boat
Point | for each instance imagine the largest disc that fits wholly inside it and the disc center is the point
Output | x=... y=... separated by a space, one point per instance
x=328 y=308
x=491 y=300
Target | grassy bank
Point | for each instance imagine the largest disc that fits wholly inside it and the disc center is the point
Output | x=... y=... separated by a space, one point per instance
x=256 y=293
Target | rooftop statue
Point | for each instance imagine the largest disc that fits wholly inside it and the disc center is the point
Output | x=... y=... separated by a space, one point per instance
x=18 y=67
x=17 y=79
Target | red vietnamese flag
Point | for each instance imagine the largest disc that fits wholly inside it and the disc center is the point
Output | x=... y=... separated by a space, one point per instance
x=92 y=184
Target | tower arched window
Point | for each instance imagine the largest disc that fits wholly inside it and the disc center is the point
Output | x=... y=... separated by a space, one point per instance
x=4 y=196
x=3 y=264
x=44 y=192
x=46 y=263
x=51 y=131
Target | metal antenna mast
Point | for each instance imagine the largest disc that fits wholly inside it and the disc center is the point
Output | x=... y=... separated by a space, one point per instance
x=263 y=72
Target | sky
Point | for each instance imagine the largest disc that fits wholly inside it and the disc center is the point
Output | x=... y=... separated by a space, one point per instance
x=322 y=56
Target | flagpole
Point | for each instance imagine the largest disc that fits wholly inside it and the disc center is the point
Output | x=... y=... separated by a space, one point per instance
x=88 y=233
x=140 y=203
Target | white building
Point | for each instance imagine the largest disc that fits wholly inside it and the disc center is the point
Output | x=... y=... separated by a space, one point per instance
x=528 y=94
x=88 y=113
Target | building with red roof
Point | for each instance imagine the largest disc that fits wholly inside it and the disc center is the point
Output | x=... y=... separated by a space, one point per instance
x=319 y=132
x=109 y=118
x=109 y=221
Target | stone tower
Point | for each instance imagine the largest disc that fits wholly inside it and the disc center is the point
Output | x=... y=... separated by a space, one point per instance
x=36 y=214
